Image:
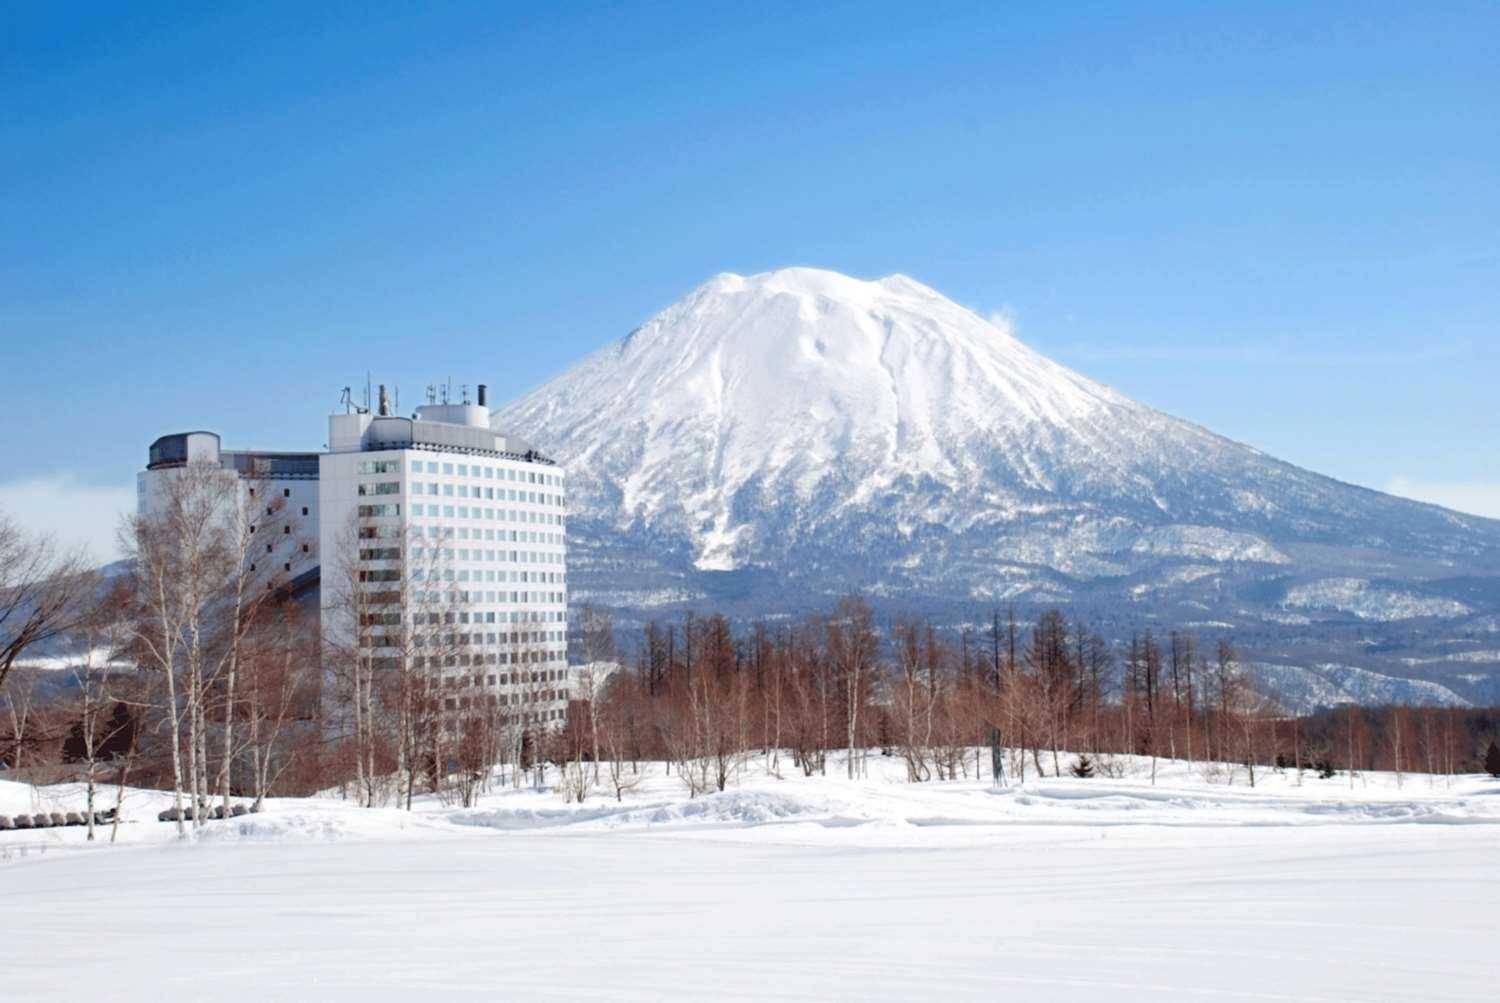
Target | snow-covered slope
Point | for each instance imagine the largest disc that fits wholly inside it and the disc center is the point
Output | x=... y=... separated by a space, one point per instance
x=810 y=433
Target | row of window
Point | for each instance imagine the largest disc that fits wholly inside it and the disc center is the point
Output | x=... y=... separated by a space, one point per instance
x=490 y=514
x=451 y=617
x=492 y=638
x=480 y=596
x=487 y=556
x=503 y=699
x=490 y=657
x=498 y=535
x=388 y=532
x=483 y=658
x=486 y=473
x=479 y=616
x=486 y=575
x=372 y=642
x=464 y=491
x=544 y=676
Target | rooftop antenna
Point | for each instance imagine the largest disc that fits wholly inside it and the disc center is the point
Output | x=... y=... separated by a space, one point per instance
x=367 y=391
x=432 y=393
x=347 y=399
x=465 y=390
x=447 y=390
x=397 y=408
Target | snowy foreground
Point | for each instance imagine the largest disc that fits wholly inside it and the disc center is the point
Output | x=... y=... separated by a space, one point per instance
x=796 y=888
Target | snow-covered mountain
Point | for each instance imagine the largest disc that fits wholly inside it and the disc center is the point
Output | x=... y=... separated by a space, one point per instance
x=771 y=440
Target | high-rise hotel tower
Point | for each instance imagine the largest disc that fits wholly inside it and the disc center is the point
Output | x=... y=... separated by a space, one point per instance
x=434 y=538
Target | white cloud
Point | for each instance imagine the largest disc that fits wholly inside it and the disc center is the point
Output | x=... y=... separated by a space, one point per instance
x=1473 y=497
x=1004 y=318
x=72 y=511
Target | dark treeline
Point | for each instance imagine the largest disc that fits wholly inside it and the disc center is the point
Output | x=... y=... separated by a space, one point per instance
x=704 y=695
x=708 y=697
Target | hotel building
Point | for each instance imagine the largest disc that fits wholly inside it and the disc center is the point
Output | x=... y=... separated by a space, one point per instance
x=432 y=537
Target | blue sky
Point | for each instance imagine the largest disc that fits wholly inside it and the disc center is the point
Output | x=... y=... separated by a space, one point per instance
x=1279 y=220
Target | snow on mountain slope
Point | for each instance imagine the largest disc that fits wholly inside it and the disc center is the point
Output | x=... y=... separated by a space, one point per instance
x=1368 y=601
x=771 y=440
x=1304 y=689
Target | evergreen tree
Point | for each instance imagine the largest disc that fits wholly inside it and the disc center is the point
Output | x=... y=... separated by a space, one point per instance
x=1083 y=766
x=1492 y=760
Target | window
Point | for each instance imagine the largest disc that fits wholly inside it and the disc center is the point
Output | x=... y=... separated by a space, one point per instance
x=304 y=548
x=380 y=488
x=286 y=530
x=416 y=466
x=304 y=510
x=372 y=511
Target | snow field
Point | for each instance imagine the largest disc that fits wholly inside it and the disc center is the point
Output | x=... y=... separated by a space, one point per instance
x=799 y=888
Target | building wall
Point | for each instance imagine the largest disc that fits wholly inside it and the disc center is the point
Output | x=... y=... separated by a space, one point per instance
x=470 y=537
x=481 y=538
x=284 y=511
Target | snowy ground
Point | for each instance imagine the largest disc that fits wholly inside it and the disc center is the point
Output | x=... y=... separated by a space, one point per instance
x=797 y=888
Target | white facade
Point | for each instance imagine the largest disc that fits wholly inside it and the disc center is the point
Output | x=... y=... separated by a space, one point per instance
x=470 y=531
x=280 y=493
x=454 y=531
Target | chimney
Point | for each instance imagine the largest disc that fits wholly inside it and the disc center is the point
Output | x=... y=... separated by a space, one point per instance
x=385 y=402
x=483 y=397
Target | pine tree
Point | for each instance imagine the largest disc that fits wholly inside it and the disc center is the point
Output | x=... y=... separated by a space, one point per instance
x=1492 y=760
x=1083 y=766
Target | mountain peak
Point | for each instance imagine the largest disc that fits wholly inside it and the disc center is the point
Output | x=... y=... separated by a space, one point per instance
x=872 y=434
x=809 y=281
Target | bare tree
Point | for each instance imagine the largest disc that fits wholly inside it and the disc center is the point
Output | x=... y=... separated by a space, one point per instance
x=102 y=634
x=177 y=558
x=43 y=592
x=852 y=647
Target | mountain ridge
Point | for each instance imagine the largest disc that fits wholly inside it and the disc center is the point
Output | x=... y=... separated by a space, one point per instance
x=770 y=440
